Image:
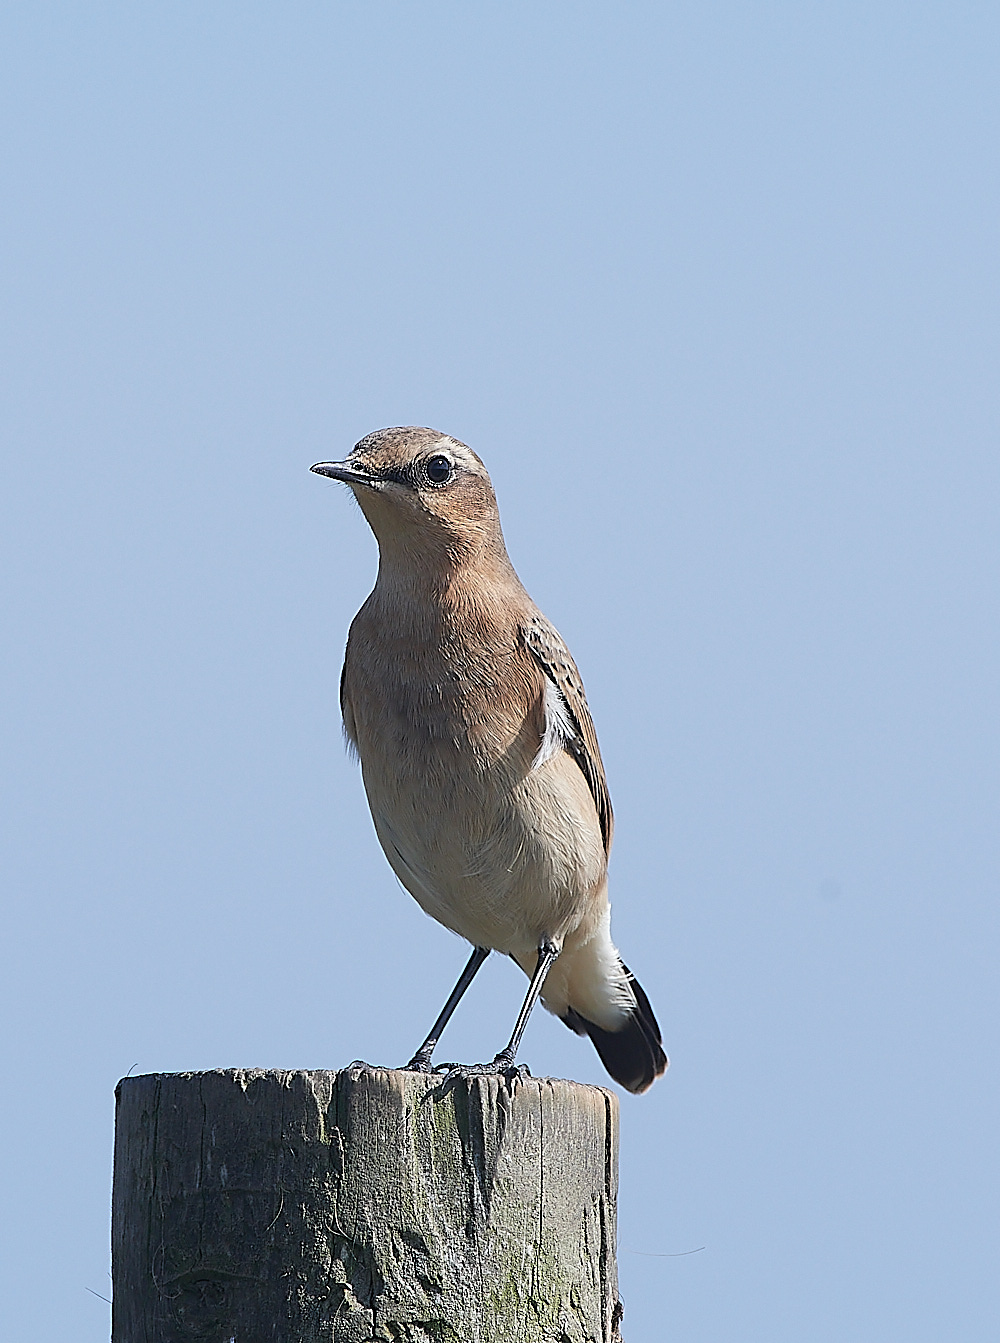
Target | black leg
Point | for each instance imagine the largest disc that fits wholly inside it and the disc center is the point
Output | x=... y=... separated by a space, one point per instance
x=547 y=954
x=504 y=1061
x=421 y=1061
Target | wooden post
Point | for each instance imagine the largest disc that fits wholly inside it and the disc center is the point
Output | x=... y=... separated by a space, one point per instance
x=257 y=1206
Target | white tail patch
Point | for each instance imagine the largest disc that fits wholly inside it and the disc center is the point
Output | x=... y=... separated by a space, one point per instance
x=559 y=728
x=598 y=986
x=589 y=977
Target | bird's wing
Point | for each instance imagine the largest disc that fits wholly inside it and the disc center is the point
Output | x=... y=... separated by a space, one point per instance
x=547 y=648
x=347 y=712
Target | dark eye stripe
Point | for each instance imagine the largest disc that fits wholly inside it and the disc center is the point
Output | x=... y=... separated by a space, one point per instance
x=412 y=475
x=402 y=476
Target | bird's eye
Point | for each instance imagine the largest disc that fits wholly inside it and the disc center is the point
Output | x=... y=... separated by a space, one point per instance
x=439 y=469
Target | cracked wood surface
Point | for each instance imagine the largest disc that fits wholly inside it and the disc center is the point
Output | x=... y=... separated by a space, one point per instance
x=255 y=1206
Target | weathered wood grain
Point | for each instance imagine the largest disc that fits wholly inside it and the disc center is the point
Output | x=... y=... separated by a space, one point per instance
x=368 y=1204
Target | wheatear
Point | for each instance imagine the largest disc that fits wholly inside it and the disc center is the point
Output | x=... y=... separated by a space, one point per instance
x=478 y=752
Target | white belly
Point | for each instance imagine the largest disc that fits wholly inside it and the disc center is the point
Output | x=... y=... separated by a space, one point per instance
x=502 y=867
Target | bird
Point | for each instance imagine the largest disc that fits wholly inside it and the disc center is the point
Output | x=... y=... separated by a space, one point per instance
x=478 y=752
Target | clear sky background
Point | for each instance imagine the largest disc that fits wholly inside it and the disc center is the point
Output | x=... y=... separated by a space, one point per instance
x=712 y=289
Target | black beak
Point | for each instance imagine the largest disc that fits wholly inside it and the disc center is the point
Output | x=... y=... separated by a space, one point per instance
x=344 y=471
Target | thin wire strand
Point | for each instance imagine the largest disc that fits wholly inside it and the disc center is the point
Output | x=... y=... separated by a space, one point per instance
x=679 y=1254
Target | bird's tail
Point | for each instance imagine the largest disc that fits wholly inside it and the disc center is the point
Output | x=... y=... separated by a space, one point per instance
x=633 y=1054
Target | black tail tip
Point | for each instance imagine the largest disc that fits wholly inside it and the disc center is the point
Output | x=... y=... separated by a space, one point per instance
x=633 y=1055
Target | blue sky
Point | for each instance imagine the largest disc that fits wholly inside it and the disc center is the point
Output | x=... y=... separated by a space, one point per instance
x=712 y=289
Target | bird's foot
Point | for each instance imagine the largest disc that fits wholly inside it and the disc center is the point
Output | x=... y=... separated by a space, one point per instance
x=420 y=1063
x=503 y=1066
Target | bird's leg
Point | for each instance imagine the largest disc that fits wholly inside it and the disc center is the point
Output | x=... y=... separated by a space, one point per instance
x=421 y=1061
x=504 y=1061
x=547 y=953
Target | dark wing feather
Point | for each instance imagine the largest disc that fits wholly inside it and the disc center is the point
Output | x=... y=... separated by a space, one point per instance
x=347 y=713
x=547 y=648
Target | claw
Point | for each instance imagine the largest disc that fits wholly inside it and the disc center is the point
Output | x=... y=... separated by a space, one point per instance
x=501 y=1066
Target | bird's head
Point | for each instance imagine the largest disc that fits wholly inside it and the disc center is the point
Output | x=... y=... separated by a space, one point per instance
x=427 y=497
